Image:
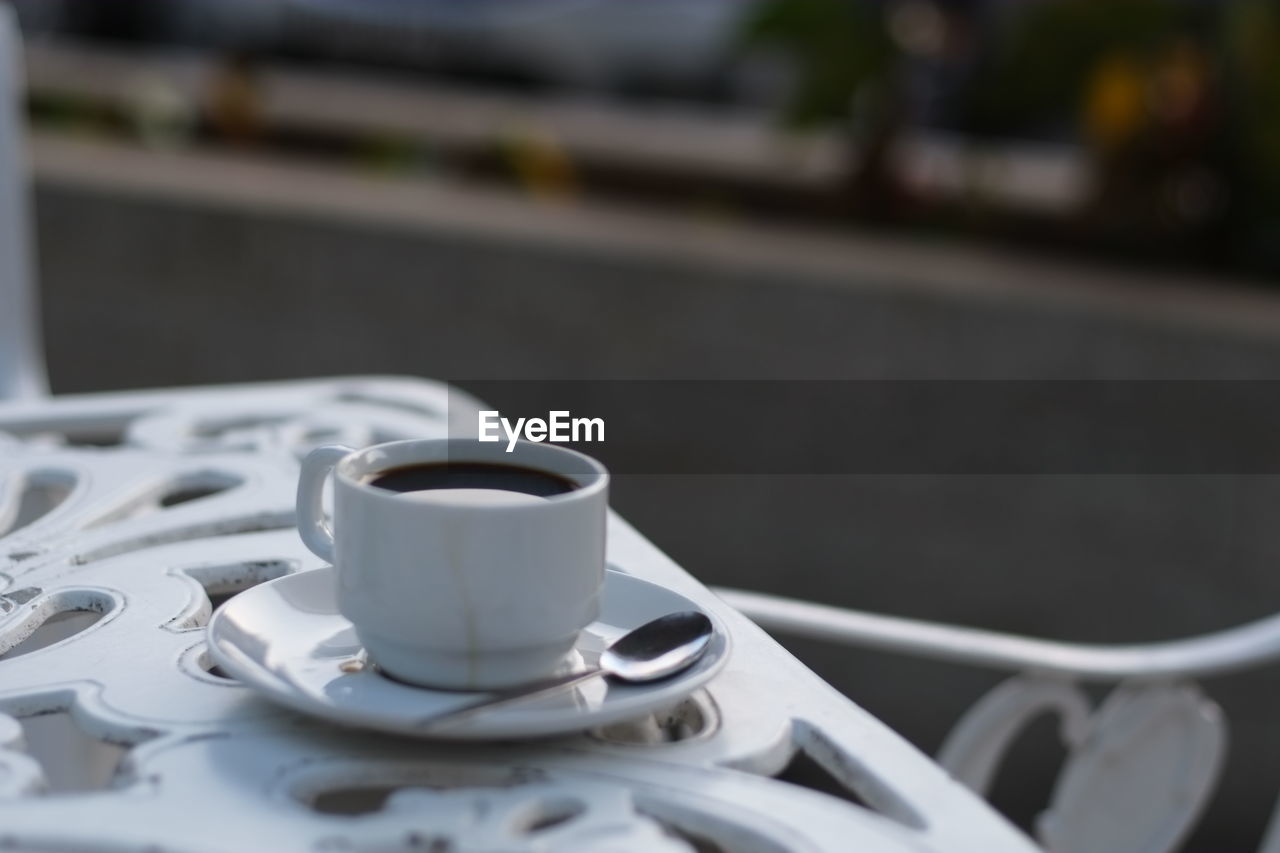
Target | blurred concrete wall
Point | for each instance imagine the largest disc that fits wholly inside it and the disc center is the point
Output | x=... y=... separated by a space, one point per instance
x=147 y=290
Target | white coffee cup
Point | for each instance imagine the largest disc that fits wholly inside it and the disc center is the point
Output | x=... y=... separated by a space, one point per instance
x=461 y=587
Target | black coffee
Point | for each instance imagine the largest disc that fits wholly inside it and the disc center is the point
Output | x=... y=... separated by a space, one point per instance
x=472 y=475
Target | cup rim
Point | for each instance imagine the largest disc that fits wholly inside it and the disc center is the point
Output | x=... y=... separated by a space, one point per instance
x=587 y=474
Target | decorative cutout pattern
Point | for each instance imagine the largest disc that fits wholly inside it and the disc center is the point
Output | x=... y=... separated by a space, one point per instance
x=1139 y=769
x=695 y=717
x=102 y=600
x=32 y=496
x=70 y=759
x=51 y=619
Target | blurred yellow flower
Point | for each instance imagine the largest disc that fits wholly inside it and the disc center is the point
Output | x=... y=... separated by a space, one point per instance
x=1114 y=101
x=540 y=163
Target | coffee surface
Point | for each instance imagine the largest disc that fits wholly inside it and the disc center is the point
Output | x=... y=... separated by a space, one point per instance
x=472 y=475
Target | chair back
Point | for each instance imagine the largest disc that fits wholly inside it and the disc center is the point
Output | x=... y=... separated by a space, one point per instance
x=22 y=370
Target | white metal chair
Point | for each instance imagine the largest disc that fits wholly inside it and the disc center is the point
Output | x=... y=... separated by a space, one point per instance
x=1140 y=766
x=22 y=371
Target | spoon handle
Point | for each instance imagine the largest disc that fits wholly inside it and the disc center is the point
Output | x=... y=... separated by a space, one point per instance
x=509 y=696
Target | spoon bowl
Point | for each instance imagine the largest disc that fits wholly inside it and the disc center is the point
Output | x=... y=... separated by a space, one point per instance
x=657 y=649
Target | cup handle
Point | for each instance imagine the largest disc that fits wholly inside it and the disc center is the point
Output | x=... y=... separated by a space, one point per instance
x=312 y=527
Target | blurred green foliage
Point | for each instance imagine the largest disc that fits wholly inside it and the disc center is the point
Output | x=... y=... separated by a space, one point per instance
x=1176 y=104
x=1038 y=67
x=1251 y=52
x=836 y=48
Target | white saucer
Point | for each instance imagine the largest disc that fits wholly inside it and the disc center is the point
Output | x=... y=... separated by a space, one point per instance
x=286 y=639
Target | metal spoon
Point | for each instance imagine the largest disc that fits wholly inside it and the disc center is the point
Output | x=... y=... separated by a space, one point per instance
x=657 y=649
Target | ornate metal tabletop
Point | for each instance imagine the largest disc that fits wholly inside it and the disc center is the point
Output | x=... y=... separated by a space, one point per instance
x=126 y=518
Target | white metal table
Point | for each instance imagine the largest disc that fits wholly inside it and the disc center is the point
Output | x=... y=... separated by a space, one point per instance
x=125 y=517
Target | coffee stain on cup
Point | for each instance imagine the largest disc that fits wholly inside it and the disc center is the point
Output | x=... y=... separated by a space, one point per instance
x=454 y=541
